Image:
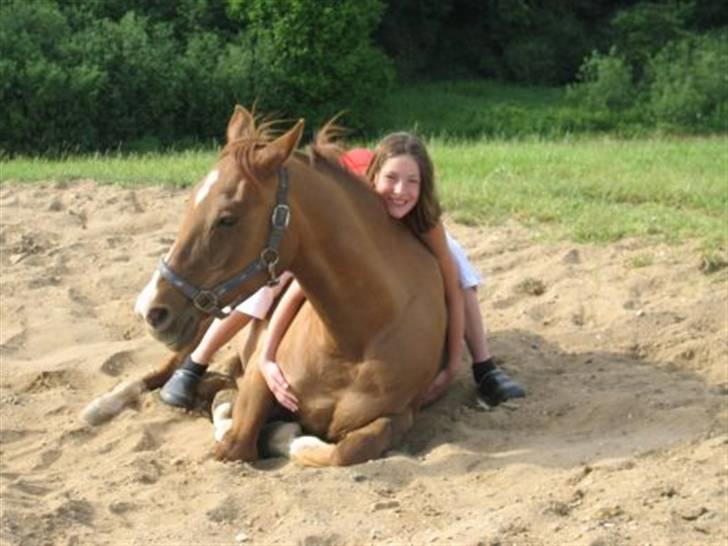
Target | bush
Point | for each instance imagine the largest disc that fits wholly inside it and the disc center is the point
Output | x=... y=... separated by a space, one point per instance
x=109 y=83
x=688 y=83
x=312 y=59
x=94 y=75
x=546 y=50
x=642 y=30
x=605 y=83
x=215 y=77
x=37 y=85
x=138 y=96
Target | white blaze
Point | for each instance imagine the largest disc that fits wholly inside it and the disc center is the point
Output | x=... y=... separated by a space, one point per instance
x=210 y=180
x=147 y=296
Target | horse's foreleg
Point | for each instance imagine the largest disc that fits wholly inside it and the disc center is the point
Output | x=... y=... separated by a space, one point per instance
x=361 y=445
x=109 y=405
x=252 y=405
x=157 y=378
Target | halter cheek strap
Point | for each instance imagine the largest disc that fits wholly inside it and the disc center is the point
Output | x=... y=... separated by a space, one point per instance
x=208 y=300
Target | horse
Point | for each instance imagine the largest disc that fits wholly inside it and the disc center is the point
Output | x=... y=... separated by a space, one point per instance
x=364 y=347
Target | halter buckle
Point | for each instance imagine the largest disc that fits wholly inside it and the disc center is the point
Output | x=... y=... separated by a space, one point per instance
x=280 y=216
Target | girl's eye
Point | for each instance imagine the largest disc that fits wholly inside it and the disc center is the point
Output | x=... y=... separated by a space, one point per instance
x=226 y=221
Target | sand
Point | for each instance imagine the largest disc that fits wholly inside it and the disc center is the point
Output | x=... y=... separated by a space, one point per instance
x=623 y=350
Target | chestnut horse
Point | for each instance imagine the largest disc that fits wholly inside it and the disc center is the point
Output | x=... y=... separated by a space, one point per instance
x=367 y=343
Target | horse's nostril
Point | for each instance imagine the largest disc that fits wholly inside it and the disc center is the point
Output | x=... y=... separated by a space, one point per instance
x=157 y=316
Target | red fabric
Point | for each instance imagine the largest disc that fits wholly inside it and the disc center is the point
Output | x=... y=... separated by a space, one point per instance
x=357 y=160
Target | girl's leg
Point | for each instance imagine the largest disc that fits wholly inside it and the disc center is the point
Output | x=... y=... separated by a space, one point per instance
x=493 y=385
x=181 y=388
x=217 y=335
x=475 y=335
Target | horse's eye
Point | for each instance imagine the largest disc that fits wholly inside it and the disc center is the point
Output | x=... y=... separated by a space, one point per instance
x=226 y=221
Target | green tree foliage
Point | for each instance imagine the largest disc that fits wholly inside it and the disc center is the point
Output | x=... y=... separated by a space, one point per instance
x=141 y=74
x=688 y=83
x=642 y=30
x=137 y=74
x=531 y=41
x=661 y=70
x=47 y=101
x=605 y=83
x=312 y=58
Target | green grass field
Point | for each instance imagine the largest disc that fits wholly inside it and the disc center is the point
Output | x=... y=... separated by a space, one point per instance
x=583 y=189
x=594 y=189
x=476 y=109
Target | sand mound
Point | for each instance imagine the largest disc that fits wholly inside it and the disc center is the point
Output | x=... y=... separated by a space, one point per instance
x=622 y=440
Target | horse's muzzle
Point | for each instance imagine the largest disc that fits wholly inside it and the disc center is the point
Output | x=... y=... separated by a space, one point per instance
x=176 y=332
x=172 y=322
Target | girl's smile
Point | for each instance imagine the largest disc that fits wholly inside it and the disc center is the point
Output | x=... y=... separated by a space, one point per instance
x=398 y=183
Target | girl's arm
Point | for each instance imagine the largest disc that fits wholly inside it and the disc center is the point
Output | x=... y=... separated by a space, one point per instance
x=280 y=321
x=436 y=240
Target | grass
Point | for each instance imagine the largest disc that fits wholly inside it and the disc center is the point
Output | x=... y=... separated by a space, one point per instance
x=475 y=109
x=595 y=189
x=176 y=169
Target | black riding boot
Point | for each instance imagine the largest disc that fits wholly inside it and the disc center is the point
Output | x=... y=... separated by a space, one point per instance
x=494 y=385
x=181 y=389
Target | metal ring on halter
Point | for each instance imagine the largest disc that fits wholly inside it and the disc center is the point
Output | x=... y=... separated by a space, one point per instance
x=206 y=301
x=269 y=258
x=272 y=260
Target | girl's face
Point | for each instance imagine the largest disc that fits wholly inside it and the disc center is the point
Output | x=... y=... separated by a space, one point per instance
x=398 y=183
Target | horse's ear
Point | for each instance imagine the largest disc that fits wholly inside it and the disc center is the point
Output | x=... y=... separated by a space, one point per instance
x=240 y=122
x=275 y=153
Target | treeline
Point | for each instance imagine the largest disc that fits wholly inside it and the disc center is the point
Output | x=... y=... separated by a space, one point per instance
x=81 y=75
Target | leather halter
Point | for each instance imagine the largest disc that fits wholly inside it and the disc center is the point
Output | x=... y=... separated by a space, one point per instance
x=207 y=300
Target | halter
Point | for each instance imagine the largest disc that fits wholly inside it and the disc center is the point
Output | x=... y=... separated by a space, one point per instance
x=207 y=300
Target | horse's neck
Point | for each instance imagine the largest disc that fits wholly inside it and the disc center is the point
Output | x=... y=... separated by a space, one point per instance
x=340 y=265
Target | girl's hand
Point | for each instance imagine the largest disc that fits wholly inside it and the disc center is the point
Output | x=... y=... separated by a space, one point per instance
x=278 y=385
x=439 y=386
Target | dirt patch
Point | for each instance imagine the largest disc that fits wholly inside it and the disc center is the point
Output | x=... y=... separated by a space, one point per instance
x=622 y=439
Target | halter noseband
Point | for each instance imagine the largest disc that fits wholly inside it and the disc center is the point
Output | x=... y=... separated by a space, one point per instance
x=207 y=300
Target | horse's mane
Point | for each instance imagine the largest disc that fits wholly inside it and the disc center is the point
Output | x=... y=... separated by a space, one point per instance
x=326 y=150
x=322 y=153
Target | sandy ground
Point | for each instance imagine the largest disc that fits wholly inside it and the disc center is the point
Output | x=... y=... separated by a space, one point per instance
x=622 y=439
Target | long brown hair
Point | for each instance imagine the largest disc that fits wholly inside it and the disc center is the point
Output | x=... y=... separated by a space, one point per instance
x=426 y=212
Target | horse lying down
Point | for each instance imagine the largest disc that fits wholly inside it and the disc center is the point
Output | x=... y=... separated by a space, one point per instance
x=367 y=343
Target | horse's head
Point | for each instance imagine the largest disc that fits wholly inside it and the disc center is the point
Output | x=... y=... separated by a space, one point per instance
x=231 y=240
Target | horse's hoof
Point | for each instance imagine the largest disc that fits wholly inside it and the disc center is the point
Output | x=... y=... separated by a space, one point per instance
x=109 y=405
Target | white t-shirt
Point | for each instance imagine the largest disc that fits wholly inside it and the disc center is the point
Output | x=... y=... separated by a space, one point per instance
x=467 y=274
